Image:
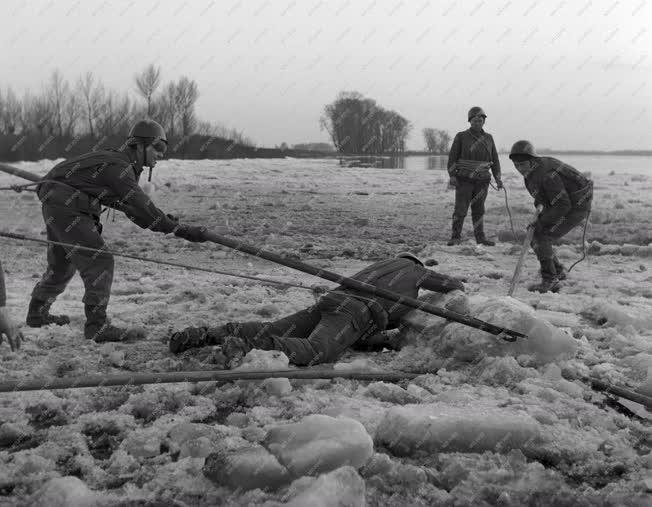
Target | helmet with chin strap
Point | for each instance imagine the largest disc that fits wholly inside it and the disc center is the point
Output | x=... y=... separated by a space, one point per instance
x=148 y=132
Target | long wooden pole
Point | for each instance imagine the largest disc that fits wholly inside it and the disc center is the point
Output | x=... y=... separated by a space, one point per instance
x=505 y=333
x=9 y=169
x=524 y=251
x=136 y=379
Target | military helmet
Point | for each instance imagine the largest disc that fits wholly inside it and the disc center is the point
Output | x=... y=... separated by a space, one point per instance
x=409 y=255
x=475 y=111
x=522 y=150
x=147 y=130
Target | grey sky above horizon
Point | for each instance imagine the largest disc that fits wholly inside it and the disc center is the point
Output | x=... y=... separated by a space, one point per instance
x=566 y=75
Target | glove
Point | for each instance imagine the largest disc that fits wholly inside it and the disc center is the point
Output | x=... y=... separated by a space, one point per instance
x=192 y=233
x=319 y=289
x=499 y=185
x=452 y=182
x=8 y=329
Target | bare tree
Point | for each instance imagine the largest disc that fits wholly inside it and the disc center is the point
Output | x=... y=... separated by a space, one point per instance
x=57 y=96
x=444 y=141
x=437 y=141
x=115 y=115
x=167 y=109
x=71 y=113
x=11 y=113
x=430 y=137
x=147 y=83
x=38 y=115
x=93 y=94
x=186 y=96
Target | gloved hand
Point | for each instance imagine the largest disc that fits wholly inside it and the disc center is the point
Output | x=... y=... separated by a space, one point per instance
x=499 y=185
x=9 y=329
x=319 y=289
x=452 y=182
x=192 y=233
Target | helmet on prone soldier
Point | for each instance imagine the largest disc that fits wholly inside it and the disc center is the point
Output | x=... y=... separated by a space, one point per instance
x=409 y=255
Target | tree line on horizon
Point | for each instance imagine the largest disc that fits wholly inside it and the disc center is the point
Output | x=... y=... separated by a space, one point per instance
x=65 y=119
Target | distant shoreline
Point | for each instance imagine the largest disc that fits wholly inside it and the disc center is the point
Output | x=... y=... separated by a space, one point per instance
x=408 y=153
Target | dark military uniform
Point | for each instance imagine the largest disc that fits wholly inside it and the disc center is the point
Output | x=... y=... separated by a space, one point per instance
x=468 y=161
x=3 y=292
x=71 y=200
x=566 y=196
x=321 y=333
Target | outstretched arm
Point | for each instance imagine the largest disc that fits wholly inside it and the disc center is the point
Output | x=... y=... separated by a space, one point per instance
x=431 y=280
x=138 y=207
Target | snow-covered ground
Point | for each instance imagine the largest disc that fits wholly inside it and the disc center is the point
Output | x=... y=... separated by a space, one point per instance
x=490 y=423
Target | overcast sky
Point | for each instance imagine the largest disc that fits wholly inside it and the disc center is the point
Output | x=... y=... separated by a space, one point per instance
x=564 y=74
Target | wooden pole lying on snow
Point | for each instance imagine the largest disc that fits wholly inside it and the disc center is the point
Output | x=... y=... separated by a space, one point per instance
x=599 y=385
x=136 y=379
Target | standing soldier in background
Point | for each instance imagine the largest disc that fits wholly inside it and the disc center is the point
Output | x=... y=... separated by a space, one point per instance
x=7 y=327
x=471 y=156
x=565 y=195
x=71 y=195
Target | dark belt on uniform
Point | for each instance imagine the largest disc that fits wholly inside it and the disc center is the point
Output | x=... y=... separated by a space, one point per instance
x=54 y=193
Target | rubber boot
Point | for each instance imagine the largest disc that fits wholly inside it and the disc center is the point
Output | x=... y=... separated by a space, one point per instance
x=39 y=315
x=98 y=329
x=193 y=337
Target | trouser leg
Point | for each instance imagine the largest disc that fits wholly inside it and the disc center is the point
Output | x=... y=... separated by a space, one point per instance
x=463 y=196
x=60 y=269
x=334 y=333
x=478 y=199
x=95 y=268
x=299 y=324
x=544 y=236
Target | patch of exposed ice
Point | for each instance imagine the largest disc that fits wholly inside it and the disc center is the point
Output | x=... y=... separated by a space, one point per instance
x=264 y=360
x=442 y=427
x=342 y=487
x=64 y=492
x=319 y=443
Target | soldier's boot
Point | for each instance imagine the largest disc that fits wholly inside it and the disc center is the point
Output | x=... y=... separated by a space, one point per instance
x=38 y=314
x=98 y=328
x=549 y=279
x=478 y=230
x=456 y=233
x=486 y=242
x=235 y=348
x=193 y=337
x=546 y=285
